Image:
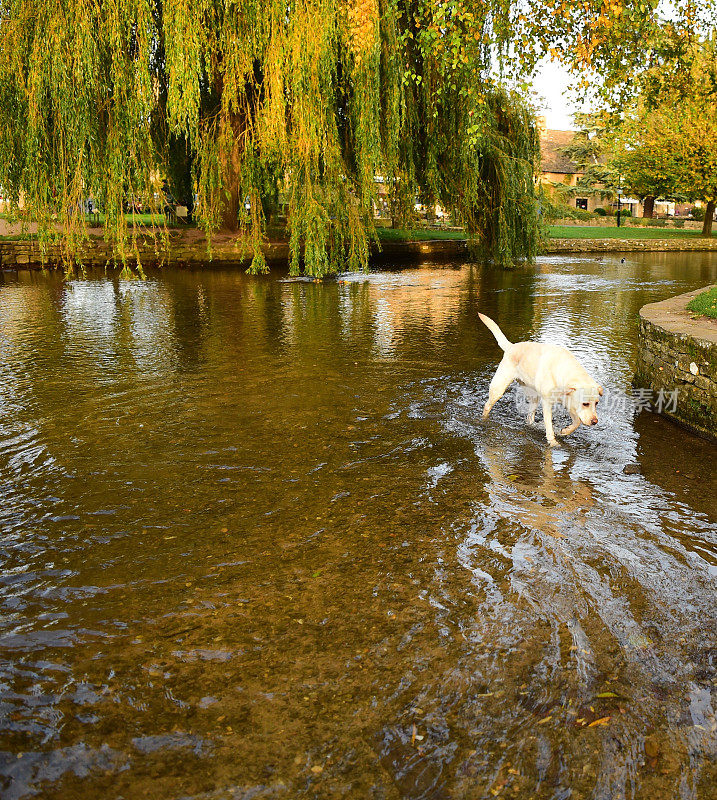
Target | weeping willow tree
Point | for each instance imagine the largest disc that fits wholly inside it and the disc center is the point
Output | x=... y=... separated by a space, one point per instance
x=236 y=102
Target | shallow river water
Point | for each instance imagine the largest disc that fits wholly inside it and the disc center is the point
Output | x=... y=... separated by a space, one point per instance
x=257 y=543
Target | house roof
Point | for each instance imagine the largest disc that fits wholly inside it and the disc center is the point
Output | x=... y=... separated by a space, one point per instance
x=552 y=159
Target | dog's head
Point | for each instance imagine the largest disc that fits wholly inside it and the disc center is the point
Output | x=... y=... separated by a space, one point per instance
x=583 y=400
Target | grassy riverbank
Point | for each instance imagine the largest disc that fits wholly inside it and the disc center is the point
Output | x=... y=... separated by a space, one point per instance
x=585 y=232
x=705 y=303
x=418 y=234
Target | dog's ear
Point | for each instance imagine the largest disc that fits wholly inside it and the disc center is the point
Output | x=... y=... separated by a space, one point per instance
x=570 y=390
x=600 y=390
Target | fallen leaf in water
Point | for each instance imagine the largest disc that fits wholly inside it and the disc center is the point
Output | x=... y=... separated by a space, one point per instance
x=317 y=770
x=512 y=477
x=601 y=721
x=651 y=748
x=485 y=694
x=606 y=694
x=545 y=719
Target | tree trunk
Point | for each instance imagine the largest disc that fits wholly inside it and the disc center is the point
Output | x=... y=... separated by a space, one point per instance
x=232 y=129
x=648 y=208
x=709 y=216
x=230 y=207
x=231 y=158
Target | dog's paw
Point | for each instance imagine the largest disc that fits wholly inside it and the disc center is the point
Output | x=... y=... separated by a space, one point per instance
x=566 y=431
x=553 y=443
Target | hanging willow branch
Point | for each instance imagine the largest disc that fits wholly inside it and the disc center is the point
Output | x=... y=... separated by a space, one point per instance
x=245 y=104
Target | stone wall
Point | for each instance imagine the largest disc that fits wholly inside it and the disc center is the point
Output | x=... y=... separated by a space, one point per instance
x=150 y=252
x=186 y=250
x=678 y=351
x=630 y=222
x=608 y=245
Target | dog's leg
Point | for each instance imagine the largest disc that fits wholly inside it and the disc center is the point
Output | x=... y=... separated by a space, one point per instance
x=533 y=402
x=504 y=376
x=571 y=428
x=548 y=417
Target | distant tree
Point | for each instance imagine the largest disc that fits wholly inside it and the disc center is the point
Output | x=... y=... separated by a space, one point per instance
x=641 y=155
x=666 y=144
x=694 y=138
x=651 y=133
x=588 y=151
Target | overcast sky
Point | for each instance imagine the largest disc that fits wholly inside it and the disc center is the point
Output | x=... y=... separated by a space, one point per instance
x=550 y=83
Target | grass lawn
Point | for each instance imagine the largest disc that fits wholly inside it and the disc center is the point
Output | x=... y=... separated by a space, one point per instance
x=416 y=235
x=140 y=220
x=705 y=303
x=579 y=232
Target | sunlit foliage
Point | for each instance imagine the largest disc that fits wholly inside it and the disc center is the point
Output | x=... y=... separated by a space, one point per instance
x=663 y=143
x=249 y=104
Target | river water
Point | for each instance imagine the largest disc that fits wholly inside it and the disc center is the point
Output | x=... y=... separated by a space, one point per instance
x=257 y=543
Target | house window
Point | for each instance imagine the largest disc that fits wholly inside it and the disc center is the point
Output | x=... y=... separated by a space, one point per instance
x=582 y=202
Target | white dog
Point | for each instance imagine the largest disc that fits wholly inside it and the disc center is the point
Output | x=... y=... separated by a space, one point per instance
x=553 y=373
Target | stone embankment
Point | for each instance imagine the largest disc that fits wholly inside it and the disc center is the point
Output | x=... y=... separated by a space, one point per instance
x=678 y=353
x=189 y=248
x=631 y=222
x=607 y=245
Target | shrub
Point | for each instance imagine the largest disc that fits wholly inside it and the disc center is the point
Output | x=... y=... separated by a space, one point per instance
x=552 y=210
x=625 y=212
x=679 y=223
x=600 y=211
x=698 y=213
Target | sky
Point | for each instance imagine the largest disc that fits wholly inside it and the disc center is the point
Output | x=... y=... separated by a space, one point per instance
x=550 y=83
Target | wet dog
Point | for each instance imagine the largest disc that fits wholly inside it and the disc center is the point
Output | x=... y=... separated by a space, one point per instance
x=552 y=375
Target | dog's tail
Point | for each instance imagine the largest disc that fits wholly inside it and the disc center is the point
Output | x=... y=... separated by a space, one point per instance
x=496 y=331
